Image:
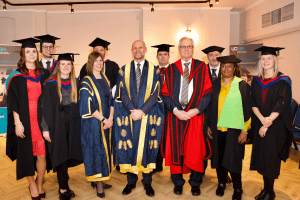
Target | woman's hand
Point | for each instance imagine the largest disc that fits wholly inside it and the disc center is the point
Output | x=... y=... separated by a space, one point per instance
x=242 y=137
x=19 y=129
x=263 y=131
x=209 y=133
x=107 y=123
x=266 y=121
x=46 y=135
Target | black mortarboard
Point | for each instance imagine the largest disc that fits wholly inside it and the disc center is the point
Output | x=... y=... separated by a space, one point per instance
x=66 y=56
x=99 y=42
x=269 y=50
x=163 y=47
x=229 y=59
x=213 y=48
x=27 y=42
x=46 y=38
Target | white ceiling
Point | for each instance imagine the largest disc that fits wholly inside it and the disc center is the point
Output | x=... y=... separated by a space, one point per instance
x=237 y=5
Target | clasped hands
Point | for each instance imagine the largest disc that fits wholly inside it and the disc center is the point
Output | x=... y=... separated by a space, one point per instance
x=136 y=114
x=266 y=122
x=183 y=115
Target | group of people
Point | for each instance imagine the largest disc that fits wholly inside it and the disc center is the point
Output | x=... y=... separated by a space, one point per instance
x=187 y=112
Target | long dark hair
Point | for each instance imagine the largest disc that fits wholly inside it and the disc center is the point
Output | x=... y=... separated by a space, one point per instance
x=22 y=63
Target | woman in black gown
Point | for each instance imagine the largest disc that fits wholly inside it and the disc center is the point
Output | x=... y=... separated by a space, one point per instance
x=271 y=121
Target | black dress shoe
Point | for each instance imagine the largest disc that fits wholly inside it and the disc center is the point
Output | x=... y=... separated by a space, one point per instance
x=149 y=190
x=260 y=195
x=128 y=188
x=220 y=190
x=269 y=196
x=71 y=193
x=178 y=189
x=195 y=191
x=237 y=194
x=64 y=195
x=118 y=168
x=228 y=180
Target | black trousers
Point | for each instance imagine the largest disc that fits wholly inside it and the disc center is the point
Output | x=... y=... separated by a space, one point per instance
x=62 y=175
x=159 y=161
x=132 y=178
x=222 y=171
x=195 y=179
x=269 y=184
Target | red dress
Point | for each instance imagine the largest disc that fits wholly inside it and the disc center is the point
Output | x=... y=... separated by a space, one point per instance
x=34 y=91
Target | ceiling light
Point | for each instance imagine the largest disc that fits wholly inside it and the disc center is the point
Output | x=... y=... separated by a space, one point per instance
x=72 y=10
x=4 y=8
x=217 y=1
x=211 y=6
x=152 y=9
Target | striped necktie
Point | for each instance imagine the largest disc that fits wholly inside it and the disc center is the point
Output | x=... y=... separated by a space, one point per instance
x=138 y=75
x=185 y=85
x=214 y=74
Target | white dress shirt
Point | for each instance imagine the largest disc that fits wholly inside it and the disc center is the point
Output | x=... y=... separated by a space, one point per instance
x=141 y=66
x=44 y=61
x=217 y=70
x=190 y=89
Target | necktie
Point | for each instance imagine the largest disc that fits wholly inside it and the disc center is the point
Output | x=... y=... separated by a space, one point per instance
x=138 y=75
x=214 y=75
x=185 y=85
x=162 y=73
x=48 y=65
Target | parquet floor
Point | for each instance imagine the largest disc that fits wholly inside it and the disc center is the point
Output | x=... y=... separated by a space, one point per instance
x=287 y=187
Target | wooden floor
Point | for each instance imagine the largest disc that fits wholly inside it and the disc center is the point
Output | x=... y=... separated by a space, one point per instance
x=286 y=187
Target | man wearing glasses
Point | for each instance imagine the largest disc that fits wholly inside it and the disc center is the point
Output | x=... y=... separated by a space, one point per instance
x=186 y=93
x=47 y=43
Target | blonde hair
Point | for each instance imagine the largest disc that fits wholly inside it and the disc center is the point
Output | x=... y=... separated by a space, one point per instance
x=56 y=74
x=261 y=70
x=90 y=63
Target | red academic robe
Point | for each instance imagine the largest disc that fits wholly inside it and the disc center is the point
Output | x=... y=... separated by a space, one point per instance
x=185 y=144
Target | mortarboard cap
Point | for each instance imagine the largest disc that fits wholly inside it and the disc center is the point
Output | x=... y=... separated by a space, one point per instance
x=46 y=38
x=213 y=48
x=27 y=42
x=229 y=59
x=269 y=50
x=66 y=56
x=100 y=42
x=163 y=47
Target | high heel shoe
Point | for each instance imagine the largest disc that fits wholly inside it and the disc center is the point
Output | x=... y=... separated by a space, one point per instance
x=102 y=194
x=34 y=198
x=43 y=195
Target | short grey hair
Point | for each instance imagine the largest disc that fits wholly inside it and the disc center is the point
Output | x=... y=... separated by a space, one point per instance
x=179 y=43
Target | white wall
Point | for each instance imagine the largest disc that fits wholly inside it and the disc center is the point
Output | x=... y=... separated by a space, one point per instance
x=285 y=34
x=234 y=28
x=164 y=25
x=122 y=28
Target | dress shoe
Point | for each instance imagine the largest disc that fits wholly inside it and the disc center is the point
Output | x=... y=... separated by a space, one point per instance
x=195 y=191
x=269 y=196
x=220 y=190
x=43 y=195
x=260 y=195
x=64 y=196
x=128 y=188
x=228 y=180
x=34 y=198
x=149 y=190
x=237 y=194
x=118 y=168
x=105 y=186
x=71 y=193
x=178 y=189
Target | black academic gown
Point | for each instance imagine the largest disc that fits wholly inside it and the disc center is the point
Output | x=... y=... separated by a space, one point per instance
x=16 y=147
x=234 y=151
x=267 y=152
x=62 y=147
x=111 y=72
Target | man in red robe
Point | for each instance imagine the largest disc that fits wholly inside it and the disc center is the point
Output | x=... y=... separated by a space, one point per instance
x=186 y=93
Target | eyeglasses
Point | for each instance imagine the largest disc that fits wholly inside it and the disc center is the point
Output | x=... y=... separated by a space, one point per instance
x=48 y=47
x=186 y=47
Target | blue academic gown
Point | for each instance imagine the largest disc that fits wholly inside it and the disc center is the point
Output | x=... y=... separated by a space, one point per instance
x=96 y=142
x=137 y=142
